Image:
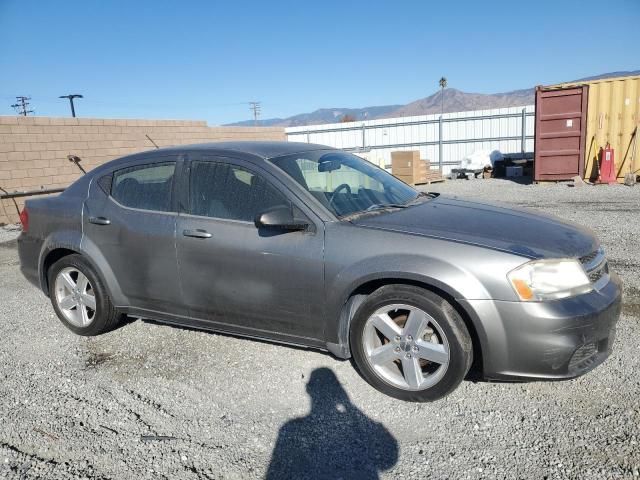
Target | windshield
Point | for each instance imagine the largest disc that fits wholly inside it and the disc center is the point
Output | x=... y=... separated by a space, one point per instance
x=344 y=183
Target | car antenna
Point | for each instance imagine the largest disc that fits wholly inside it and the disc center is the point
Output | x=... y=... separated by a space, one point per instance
x=154 y=143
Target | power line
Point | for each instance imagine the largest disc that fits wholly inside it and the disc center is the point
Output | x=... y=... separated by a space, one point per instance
x=21 y=106
x=255 y=108
x=71 y=97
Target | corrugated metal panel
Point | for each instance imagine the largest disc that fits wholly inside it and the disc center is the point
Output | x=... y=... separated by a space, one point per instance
x=613 y=114
x=462 y=134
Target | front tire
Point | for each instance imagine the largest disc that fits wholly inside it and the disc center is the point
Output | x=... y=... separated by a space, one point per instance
x=79 y=297
x=410 y=343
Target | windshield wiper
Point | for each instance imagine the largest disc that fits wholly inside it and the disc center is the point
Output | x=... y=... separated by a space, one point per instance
x=382 y=206
x=422 y=196
x=376 y=207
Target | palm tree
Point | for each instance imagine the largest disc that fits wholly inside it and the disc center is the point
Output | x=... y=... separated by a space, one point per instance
x=443 y=85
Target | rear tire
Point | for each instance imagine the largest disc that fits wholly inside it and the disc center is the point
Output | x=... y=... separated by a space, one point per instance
x=80 y=299
x=410 y=343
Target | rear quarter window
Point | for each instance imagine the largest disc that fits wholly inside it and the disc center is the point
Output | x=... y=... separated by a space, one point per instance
x=105 y=183
x=147 y=187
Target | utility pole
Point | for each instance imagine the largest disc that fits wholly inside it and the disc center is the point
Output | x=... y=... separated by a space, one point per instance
x=443 y=85
x=255 y=108
x=21 y=106
x=71 y=97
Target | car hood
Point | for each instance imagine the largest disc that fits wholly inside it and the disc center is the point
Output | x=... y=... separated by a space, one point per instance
x=489 y=225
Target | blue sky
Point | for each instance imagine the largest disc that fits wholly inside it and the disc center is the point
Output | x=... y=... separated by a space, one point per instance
x=206 y=59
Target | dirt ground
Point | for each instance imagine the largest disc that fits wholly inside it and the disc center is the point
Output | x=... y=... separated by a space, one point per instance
x=153 y=401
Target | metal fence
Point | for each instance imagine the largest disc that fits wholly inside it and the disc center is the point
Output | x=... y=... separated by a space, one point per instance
x=444 y=140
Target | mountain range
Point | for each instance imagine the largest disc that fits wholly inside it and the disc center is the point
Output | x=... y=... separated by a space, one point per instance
x=454 y=101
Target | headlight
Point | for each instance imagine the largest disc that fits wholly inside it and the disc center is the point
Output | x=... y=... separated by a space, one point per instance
x=549 y=280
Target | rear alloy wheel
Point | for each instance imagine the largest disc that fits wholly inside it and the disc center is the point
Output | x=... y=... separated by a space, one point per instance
x=79 y=297
x=410 y=343
x=74 y=296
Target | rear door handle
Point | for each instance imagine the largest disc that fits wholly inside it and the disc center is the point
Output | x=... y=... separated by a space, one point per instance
x=99 y=221
x=198 y=233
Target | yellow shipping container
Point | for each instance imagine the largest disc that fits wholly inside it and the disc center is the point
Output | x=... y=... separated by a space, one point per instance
x=613 y=115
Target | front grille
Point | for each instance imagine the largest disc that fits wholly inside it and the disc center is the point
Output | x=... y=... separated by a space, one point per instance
x=597 y=274
x=595 y=264
x=587 y=259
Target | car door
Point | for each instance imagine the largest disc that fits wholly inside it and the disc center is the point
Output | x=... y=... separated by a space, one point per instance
x=129 y=220
x=267 y=283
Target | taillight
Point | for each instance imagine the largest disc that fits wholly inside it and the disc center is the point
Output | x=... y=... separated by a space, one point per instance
x=24 y=219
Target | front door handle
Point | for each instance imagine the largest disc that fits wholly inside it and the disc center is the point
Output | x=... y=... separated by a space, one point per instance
x=99 y=221
x=198 y=233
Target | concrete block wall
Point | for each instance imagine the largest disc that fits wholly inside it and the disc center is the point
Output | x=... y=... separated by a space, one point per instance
x=33 y=150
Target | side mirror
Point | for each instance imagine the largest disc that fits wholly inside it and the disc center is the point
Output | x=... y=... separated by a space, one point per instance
x=280 y=217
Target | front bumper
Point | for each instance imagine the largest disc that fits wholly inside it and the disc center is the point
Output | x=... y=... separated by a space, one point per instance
x=558 y=339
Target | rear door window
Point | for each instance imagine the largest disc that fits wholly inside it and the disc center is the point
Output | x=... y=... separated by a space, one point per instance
x=147 y=187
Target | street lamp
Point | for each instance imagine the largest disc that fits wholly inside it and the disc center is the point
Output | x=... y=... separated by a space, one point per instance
x=443 y=85
x=71 y=97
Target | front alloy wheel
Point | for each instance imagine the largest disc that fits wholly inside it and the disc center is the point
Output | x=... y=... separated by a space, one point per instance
x=410 y=343
x=406 y=347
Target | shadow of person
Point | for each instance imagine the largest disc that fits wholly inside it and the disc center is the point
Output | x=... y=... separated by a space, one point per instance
x=335 y=440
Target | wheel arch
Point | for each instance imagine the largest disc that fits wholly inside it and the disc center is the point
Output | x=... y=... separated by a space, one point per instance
x=51 y=257
x=359 y=294
x=55 y=251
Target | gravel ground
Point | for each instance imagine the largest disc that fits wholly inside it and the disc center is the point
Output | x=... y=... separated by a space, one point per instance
x=152 y=401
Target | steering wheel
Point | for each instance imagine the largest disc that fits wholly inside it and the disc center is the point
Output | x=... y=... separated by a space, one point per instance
x=342 y=186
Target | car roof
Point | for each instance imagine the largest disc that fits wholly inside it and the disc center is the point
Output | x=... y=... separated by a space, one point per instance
x=249 y=150
x=262 y=149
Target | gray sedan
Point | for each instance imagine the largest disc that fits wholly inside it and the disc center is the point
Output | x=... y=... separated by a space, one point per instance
x=311 y=246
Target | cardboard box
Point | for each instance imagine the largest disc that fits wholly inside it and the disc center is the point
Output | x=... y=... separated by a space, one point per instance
x=408 y=167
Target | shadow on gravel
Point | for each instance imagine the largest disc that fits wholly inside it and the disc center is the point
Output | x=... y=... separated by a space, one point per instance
x=10 y=245
x=335 y=440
